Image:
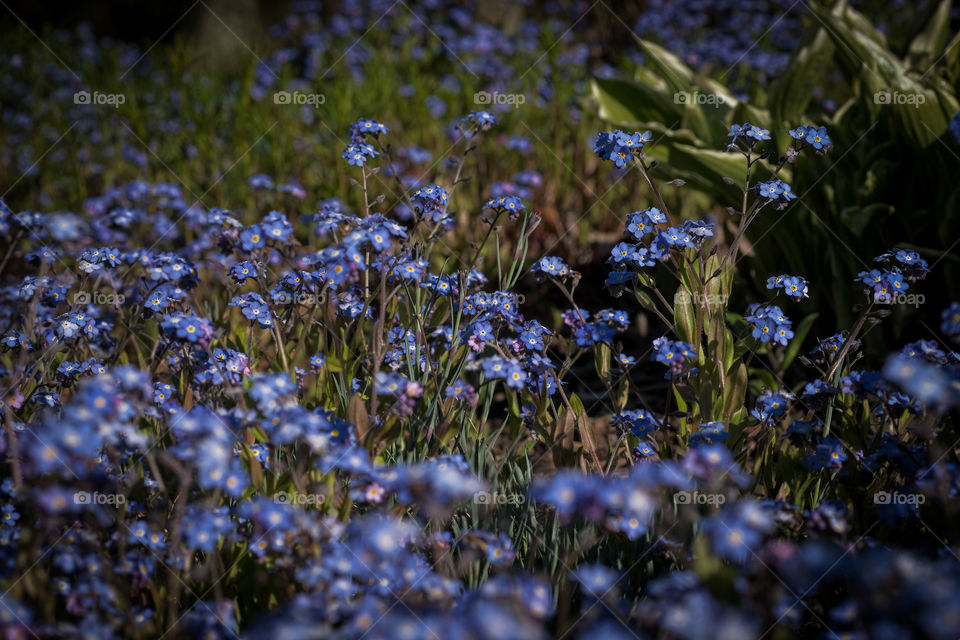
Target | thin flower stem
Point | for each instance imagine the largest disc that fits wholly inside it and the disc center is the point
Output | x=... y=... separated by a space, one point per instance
x=836 y=369
x=645 y=172
x=476 y=254
x=584 y=432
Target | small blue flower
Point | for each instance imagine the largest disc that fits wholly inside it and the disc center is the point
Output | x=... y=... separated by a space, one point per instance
x=366 y=127
x=951 y=320
x=254 y=307
x=275 y=226
x=260 y=181
x=793 y=286
x=252 y=238
x=595 y=580
x=460 y=390
x=777 y=191
x=623 y=252
x=516 y=377
x=644 y=449
x=475 y=122
x=817 y=138
x=738 y=530
x=751 y=133
x=770 y=324
x=673 y=353
x=432 y=201
x=511 y=204
x=243 y=270
x=639 y=422
x=954 y=126
x=771 y=405
x=550 y=266
x=709 y=433
x=357 y=154
x=828 y=455
x=619 y=147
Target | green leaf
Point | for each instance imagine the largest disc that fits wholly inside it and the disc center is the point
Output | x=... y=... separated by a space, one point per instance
x=631 y=104
x=601 y=359
x=682 y=407
x=915 y=107
x=645 y=300
x=567 y=425
x=577 y=405
x=684 y=316
x=738 y=323
x=951 y=55
x=889 y=85
x=705 y=399
x=763 y=379
x=858 y=218
x=718 y=289
x=728 y=103
x=798 y=337
x=929 y=43
x=513 y=402
x=623 y=394
x=729 y=350
x=357 y=414
x=747 y=112
x=858 y=42
x=708 y=165
x=791 y=92
x=695 y=119
x=677 y=75
x=735 y=390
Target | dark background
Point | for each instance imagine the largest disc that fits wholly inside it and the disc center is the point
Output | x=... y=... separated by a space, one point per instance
x=149 y=21
x=138 y=21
